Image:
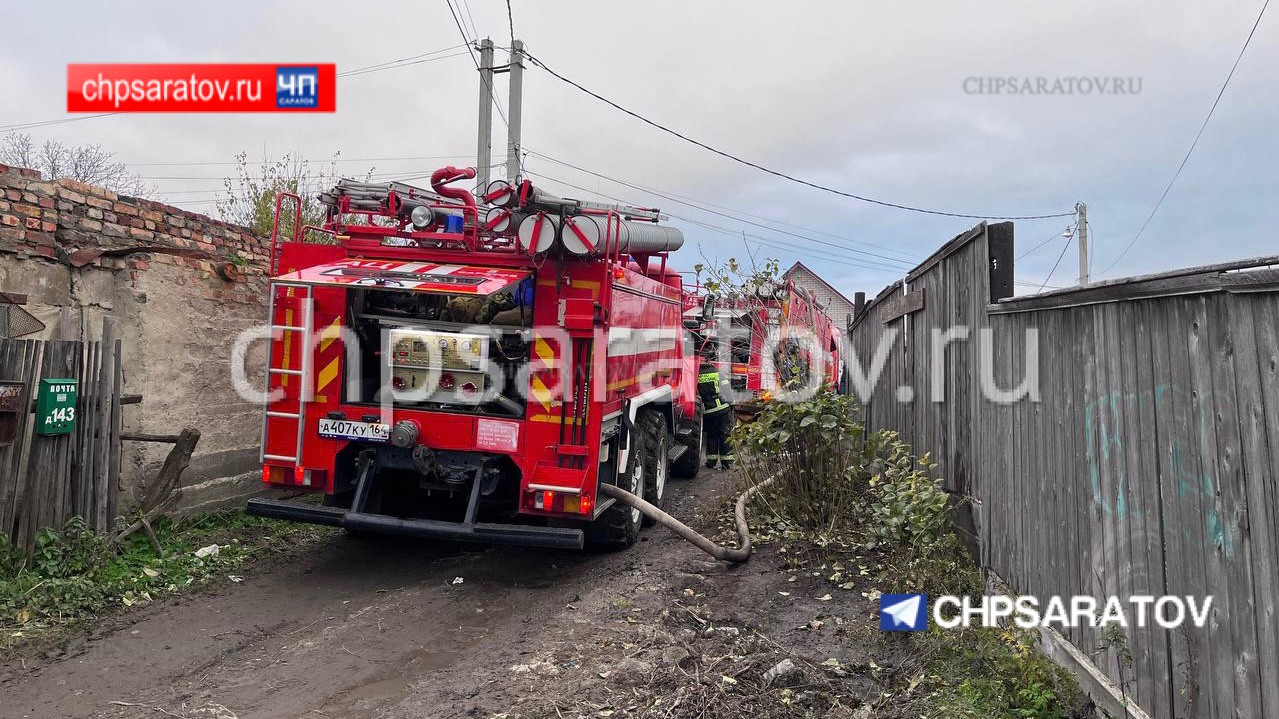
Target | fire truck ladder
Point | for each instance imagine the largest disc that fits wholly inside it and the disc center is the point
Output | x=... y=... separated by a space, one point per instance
x=303 y=374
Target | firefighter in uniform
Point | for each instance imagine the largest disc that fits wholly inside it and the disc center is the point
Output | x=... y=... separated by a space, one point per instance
x=717 y=418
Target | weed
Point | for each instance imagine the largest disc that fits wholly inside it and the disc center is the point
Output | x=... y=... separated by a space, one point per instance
x=853 y=503
x=986 y=672
x=74 y=574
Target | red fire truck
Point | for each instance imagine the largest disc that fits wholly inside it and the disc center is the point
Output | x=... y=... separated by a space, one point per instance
x=770 y=340
x=455 y=369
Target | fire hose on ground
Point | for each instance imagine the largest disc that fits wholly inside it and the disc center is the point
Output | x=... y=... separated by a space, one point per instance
x=724 y=554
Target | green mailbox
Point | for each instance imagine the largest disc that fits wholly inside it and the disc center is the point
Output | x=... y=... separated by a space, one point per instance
x=55 y=406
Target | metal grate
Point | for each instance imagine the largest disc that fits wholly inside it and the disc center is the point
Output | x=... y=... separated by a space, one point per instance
x=17 y=322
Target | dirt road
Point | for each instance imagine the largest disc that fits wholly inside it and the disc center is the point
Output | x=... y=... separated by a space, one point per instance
x=376 y=628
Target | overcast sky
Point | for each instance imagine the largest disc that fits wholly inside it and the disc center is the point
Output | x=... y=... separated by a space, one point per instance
x=866 y=97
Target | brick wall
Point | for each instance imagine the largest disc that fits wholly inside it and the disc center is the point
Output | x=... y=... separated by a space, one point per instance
x=180 y=286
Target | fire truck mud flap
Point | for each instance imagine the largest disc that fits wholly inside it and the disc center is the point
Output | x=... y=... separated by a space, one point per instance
x=511 y=534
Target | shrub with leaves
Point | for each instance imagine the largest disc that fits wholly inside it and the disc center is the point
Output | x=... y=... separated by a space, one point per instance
x=816 y=450
x=908 y=505
x=834 y=476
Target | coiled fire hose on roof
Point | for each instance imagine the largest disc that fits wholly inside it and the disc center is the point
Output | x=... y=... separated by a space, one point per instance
x=724 y=554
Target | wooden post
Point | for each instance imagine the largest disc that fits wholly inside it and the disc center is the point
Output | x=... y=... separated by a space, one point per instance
x=102 y=485
x=165 y=490
x=113 y=460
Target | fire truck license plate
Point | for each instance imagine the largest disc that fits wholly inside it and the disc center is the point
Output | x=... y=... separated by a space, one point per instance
x=345 y=429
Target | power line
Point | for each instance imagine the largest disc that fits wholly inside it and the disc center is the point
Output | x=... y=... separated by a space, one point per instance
x=696 y=206
x=389 y=175
x=1193 y=144
x=510 y=19
x=470 y=18
x=1058 y=262
x=768 y=242
x=823 y=256
x=905 y=256
x=777 y=173
x=43 y=123
x=1050 y=239
x=339 y=159
x=398 y=64
x=488 y=83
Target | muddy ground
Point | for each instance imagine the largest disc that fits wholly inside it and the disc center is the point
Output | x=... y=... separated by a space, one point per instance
x=398 y=628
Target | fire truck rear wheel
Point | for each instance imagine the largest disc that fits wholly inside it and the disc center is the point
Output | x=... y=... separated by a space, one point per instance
x=690 y=463
x=619 y=526
x=657 y=465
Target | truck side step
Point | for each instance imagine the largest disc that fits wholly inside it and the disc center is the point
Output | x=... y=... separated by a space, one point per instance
x=676 y=451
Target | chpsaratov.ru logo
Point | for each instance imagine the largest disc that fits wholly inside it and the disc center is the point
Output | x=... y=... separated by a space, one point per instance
x=910 y=612
x=297 y=87
x=903 y=612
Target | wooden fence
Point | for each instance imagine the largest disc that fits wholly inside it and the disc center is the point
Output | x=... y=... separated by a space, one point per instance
x=1147 y=465
x=46 y=480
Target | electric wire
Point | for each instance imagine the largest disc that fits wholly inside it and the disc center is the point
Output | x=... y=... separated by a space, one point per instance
x=777 y=173
x=510 y=19
x=466 y=5
x=697 y=206
x=1058 y=262
x=338 y=159
x=768 y=242
x=1041 y=244
x=1194 y=143
x=389 y=66
x=470 y=43
x=44 y=123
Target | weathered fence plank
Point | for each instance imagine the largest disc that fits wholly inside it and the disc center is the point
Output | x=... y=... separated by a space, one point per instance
x=1148 y=466
x=45 y=480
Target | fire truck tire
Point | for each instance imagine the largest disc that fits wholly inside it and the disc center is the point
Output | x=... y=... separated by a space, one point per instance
x=690 y=463
x=657 y=465
x=619 y=526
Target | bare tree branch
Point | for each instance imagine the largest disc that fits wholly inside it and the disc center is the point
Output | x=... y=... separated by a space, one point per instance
x=90 y=163
x=249 y=197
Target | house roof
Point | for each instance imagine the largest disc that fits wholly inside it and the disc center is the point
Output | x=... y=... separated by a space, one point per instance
x=829 y=286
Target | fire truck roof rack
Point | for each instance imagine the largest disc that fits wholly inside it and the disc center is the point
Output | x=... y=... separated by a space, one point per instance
x=501 y=193
x=372 y=196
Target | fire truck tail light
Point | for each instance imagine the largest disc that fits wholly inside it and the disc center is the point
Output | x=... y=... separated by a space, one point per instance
x=277 y=475
x=586 y=504
x=570 y=503
x=296 y=476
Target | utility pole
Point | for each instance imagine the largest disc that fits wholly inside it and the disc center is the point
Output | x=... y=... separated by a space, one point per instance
x=1082 y=211
x=484 y=148
x=516 y=68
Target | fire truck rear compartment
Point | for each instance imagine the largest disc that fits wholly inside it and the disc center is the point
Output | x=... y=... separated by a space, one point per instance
x=440 y=351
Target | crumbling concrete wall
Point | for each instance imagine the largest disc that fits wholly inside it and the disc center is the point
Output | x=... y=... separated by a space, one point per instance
x=180 y=286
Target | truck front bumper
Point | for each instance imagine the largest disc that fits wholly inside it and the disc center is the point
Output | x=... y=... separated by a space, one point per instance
x=512 y=534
